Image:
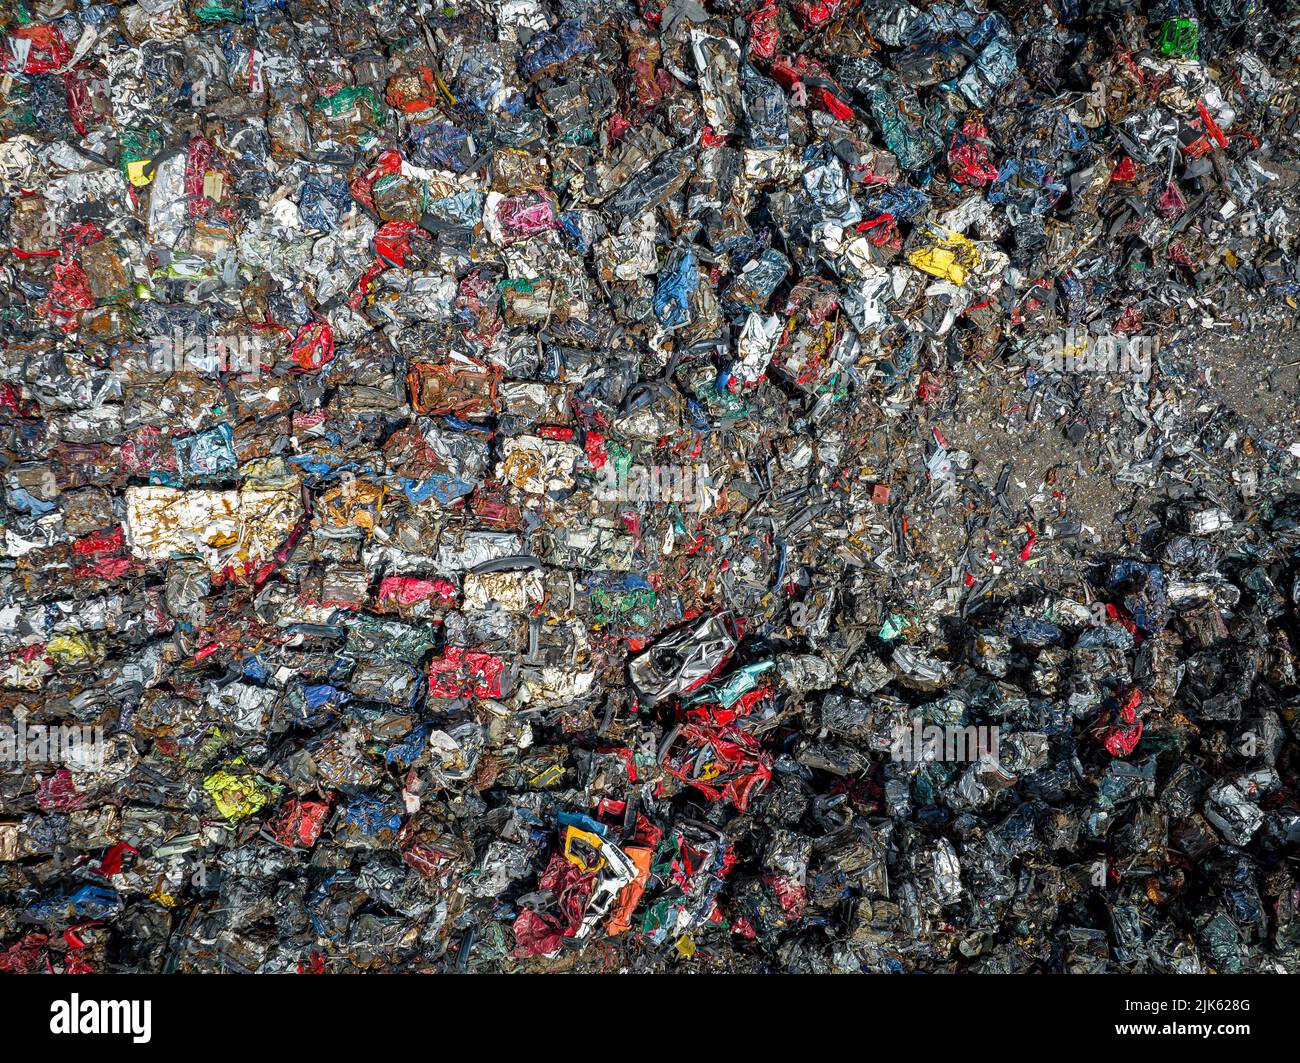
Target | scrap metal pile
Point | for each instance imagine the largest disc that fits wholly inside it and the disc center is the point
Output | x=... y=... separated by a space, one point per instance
x=514 y=485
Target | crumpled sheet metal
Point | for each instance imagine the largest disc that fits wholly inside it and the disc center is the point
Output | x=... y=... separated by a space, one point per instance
x=223 y=527
x=494 y=488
